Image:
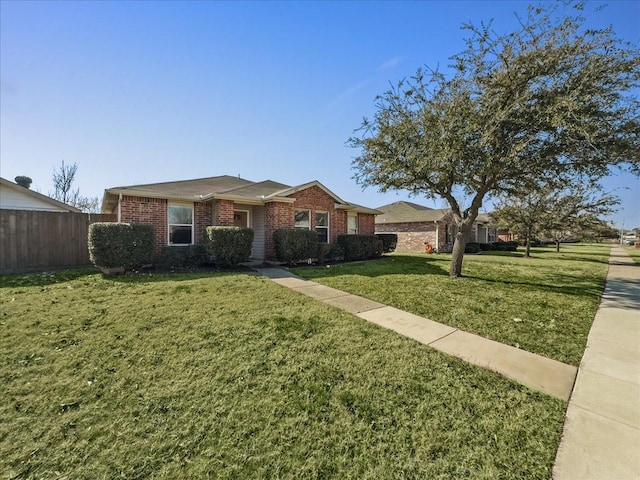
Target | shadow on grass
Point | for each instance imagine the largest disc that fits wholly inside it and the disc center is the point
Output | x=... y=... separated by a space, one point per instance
x=44 y=278
x=436 y=266
x=153 y=277
x=51 y=278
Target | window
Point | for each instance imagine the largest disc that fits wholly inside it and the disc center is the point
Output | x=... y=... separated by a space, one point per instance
x=322 y=226
x=180 y=221
x=352 y=224
x=302 y=220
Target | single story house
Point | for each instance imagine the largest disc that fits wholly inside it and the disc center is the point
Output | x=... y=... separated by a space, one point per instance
x=181 y=210
x=20 y=197
x=418 y=226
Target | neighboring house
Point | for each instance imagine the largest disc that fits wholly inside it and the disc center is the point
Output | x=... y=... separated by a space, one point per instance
x=180 y=211
x=418 y=226
x=17 y=197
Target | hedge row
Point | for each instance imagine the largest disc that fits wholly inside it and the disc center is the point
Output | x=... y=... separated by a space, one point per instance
x=389 y=241
x=131 y=246
x=475 y=247
x=293 y=245
x=360 y=247
x=228 y=246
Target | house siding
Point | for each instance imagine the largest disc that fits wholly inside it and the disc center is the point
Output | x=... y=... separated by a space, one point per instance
x=14 y=199
x=257 y=223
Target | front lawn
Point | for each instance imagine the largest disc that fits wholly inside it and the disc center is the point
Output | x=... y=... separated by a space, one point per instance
x=634 y=253
x=544 y=304
x=233 y=376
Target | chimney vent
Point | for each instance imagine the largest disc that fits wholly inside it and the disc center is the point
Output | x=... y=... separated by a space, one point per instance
x=23 y=181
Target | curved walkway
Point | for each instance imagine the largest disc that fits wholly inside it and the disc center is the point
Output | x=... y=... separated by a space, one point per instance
x=601 y=436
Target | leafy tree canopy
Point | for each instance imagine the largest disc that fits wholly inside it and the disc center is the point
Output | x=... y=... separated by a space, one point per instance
x=555 y=212
x=549 y=100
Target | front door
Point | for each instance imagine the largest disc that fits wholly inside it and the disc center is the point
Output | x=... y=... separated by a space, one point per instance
x=240 y=218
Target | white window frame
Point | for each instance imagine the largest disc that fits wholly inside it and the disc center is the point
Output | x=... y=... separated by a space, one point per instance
x=323 y=227
x=355 y=218
x=300 y=210
x=191 y=225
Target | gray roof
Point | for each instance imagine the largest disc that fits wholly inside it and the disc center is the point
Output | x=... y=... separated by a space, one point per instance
x=408 y=212
x=257 y=190
x=184 y=189
x=225 y=186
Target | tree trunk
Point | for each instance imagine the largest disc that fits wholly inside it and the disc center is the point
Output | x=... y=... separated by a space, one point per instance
x=557 y=246
x=527 y=247
x=462 y=238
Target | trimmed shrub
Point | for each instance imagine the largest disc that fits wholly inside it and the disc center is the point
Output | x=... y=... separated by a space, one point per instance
x=120 y=245
x=183 y=256
x=360 y=247
x=322 y=252
x=293 y=245
x=505 y=246
x=336 y=253
x=485 y=247
x=228 y=246
x=389 y=241
x=472 y=247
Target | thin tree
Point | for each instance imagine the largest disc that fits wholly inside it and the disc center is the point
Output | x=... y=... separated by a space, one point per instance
x=63 y=178
x=552 y=99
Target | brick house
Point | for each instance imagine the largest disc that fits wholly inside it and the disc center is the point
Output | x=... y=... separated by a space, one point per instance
x=180 y=211
x=417 y=226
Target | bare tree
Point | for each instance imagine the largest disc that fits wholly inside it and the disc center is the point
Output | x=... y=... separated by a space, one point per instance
x=63 y=178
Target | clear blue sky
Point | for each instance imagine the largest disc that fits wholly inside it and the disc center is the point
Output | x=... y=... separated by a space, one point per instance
x=143 y=92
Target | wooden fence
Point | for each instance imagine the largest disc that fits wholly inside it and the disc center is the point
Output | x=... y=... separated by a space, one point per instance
x=36 y=241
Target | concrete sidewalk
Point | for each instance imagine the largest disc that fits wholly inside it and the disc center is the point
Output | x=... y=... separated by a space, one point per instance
x=601 y=437
x=538 y=372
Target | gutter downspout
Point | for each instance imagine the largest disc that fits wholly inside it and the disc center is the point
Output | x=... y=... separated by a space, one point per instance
x=437 y=236
x=119 y=208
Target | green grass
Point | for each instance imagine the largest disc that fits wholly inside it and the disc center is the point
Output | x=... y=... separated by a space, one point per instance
x=232 y=376
x=634 y=253
x=544 y=304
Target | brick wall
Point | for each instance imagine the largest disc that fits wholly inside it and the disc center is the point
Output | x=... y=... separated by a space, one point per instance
x=276 y=215
x=366 y=224
x=202 y=218
x=317 y=200
x=223 y=213
x=151 y=211
x=411 y=236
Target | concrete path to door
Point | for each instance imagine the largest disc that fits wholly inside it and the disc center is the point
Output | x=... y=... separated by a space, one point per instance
x=538 y=372
x=601 y=437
